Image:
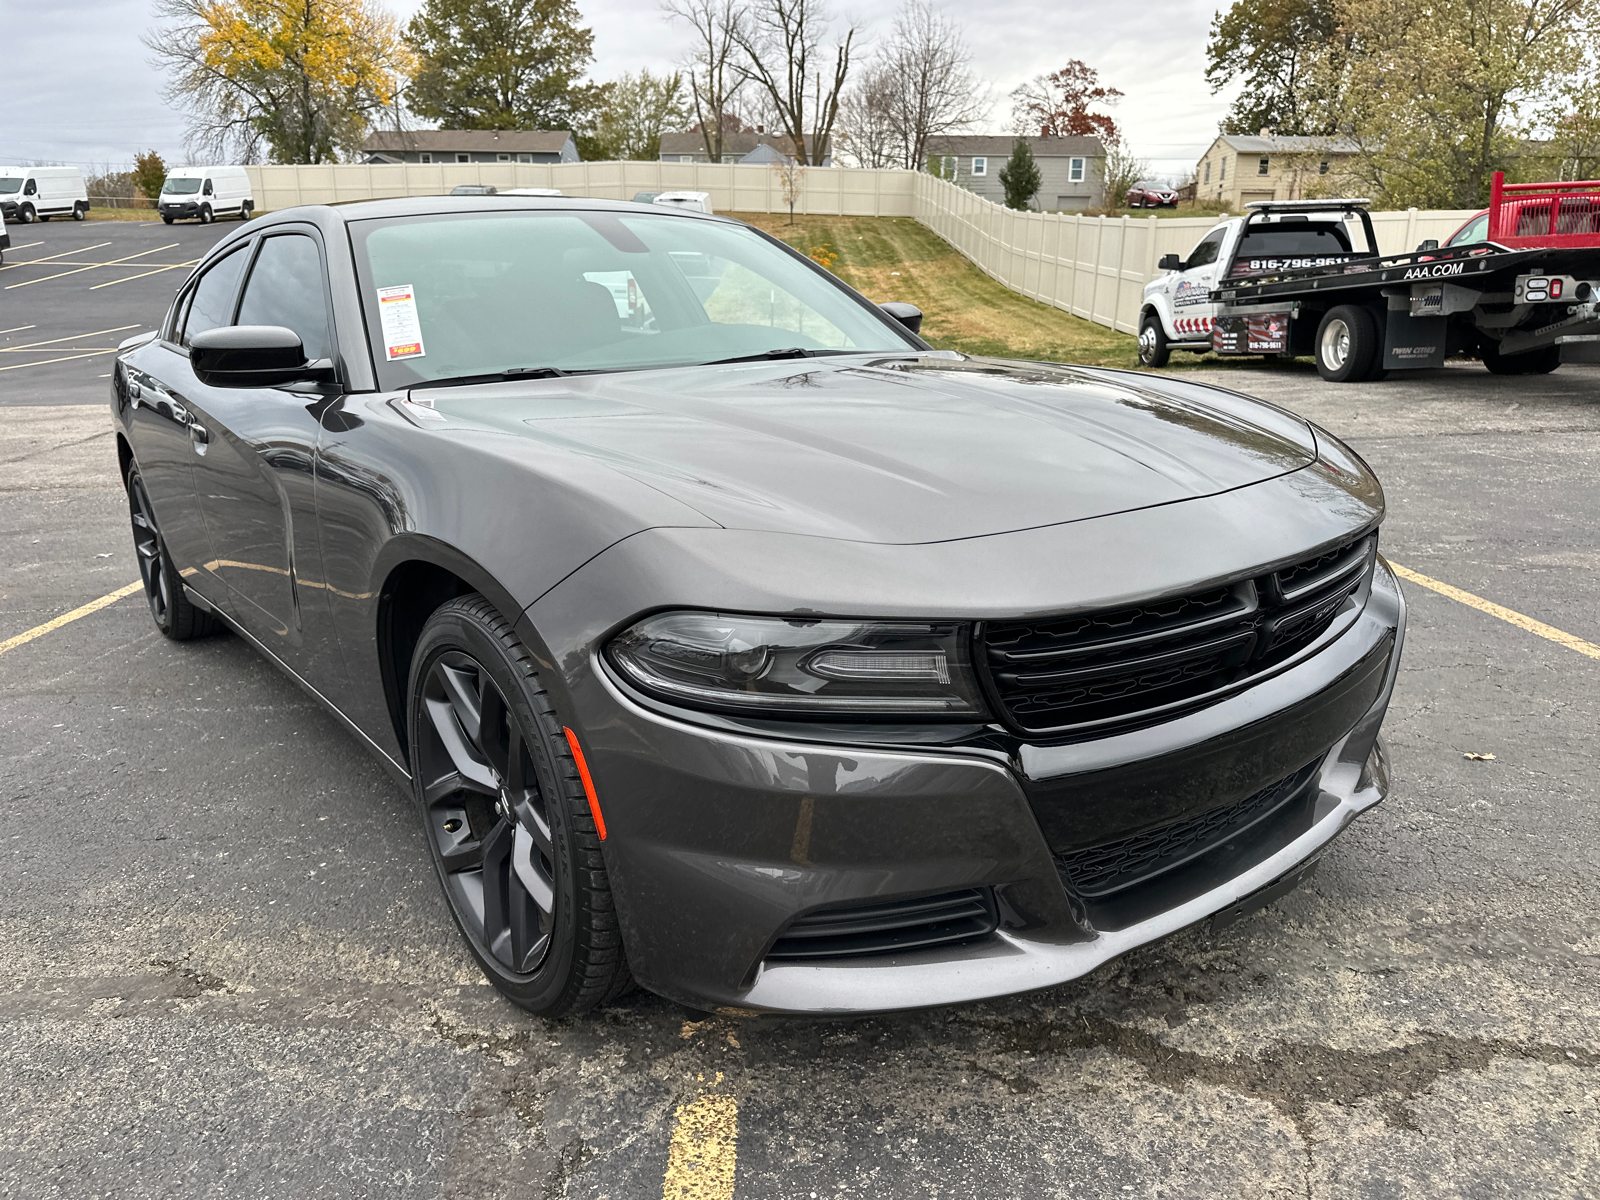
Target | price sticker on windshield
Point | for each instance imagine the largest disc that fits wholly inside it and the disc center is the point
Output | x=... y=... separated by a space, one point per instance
x=397 y=314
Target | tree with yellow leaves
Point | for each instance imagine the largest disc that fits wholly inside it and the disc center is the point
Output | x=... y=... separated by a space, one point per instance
x=301 y=79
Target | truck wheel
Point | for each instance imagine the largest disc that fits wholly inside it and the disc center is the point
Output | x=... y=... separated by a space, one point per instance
x=206 y=216
x=1153 y=351
x=80 y=212
x=166 y=220
x=1347 y=345
x=1533 y=362
x=28 y=216
x=244 y=211
x=44 y=216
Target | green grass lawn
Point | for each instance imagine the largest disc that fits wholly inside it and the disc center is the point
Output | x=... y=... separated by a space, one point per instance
x=894 y=258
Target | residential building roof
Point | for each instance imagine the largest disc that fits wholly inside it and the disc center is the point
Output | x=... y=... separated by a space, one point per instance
x=482 y=141
x=732 y=143
x=1000 y=146
x=1287 y=144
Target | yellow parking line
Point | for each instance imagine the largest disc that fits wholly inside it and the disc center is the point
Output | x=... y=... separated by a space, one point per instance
x=51 y=257
x=70 y=336
x=27 y=245
x=38 y=631
x=704 y=1155
x=80 y=270
x=45 y=362
x=157 y=271
x=1495 y=610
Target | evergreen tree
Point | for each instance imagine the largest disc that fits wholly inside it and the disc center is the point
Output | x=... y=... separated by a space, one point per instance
x=1020 y=177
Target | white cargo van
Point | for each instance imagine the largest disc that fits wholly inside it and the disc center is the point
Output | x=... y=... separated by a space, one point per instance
x=693 y=201
x=205 y=193
x=29 y=194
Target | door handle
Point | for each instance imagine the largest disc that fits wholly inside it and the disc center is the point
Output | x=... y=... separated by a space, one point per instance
x=198 y=433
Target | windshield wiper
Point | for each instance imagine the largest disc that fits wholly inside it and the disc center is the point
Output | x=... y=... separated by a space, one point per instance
x=497 y=376
x=791 y=352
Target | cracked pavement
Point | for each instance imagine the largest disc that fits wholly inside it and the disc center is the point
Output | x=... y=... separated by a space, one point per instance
x=231 y=972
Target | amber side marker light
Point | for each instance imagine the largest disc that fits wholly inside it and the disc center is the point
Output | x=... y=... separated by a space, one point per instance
x=588 y=783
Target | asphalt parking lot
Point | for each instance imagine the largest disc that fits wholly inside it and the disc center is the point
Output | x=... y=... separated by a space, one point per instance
x=231 y=971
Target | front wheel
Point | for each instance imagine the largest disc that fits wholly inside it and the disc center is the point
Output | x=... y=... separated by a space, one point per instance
x=174 y=616
x=28 y=216
x=1153 y=350
x=206 y=216
x=507 y=818
x=1348 y=349
x=166 y=220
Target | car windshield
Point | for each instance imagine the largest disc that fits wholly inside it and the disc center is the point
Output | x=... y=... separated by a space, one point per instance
x=1476 y=230
x=477 y=294
x=10 y=184
x=181 y=187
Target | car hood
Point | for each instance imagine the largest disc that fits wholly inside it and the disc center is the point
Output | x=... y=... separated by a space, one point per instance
x=909 y=449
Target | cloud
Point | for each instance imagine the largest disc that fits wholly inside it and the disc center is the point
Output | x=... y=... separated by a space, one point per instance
x=82 y=90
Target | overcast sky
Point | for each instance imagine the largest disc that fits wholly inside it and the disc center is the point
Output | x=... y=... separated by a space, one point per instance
x=79 y=88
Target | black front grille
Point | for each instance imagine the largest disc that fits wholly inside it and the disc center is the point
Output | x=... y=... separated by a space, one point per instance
x=885 y=927
x=1102 y=870
x=1094 y=673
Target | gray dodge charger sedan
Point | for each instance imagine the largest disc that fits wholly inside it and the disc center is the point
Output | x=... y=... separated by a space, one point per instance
x=733 y=641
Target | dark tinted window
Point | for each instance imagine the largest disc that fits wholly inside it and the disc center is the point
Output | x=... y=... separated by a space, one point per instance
x=286 y=289
x=1206 y=251
x=211 y=303
x=1475 y=231
x=1302 y=241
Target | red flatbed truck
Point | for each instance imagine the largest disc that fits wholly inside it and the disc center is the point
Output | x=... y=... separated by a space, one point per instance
x=1288 y=278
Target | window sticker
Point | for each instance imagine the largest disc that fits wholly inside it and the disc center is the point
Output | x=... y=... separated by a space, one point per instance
x=397 y=314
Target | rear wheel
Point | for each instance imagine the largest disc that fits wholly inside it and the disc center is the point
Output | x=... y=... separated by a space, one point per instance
x=80 y=212
x=244 y=212
x=1153 y=350
x=1348 y=349
x=44 y=216
x=174 y=616
x=1533 y=362
x=506 y=817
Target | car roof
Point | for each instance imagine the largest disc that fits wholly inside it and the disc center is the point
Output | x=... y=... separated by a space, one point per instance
x=423 y=206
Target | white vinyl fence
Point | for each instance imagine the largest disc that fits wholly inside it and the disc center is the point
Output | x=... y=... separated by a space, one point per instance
x=1092 y=267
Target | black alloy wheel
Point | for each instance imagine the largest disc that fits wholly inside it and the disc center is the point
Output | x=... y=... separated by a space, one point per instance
x=506 y=816
x=206 y=216
x=174 y=615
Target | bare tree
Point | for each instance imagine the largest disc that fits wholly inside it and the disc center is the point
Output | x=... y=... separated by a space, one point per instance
x=935 y=91
x=711 y=67
x=791 y=173
x=783 y=55
x=867 y=128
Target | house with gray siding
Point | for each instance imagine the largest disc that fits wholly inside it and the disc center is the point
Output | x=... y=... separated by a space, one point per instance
x=755 y=147
x=469 y=146
x=1071 y=169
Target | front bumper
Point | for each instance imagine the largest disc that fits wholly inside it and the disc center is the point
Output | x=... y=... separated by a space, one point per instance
x=720 y=839
x=189 y=208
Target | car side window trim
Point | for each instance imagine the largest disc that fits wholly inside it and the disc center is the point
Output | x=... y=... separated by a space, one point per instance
x=306 y=231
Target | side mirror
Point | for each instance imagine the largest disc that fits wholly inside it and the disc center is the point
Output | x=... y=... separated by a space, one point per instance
x=908 y=315
x=1429 y=244
x=251 y=356
x=1169 y=262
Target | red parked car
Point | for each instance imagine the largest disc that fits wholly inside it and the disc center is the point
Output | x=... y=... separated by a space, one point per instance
x=1149 y=194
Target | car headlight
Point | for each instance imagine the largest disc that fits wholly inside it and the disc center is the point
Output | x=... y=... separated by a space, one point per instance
x=800 y=666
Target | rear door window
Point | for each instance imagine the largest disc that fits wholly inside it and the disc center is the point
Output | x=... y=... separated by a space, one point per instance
x=286 y=289
x=1269 y=249
x=211 y=302
x=1206 y=252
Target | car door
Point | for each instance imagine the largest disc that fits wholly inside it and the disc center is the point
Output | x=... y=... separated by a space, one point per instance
x=1193 y=310
x=163 y=429
x=254 y=467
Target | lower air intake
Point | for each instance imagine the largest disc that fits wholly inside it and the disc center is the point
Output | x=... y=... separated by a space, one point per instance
x=885 y=928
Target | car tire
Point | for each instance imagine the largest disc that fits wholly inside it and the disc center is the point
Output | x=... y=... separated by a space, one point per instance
x=507 y=818
x=27 y=215
x=1347 y=346
x=44 y=216
x=1153 y=349
x=170 y=608
x=166 y=220
x=244 y=212
x=80 y=212
x=206 y=215
x=1532 y=362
